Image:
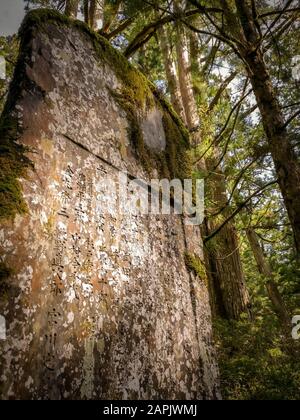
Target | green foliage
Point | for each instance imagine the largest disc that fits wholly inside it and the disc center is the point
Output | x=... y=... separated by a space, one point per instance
x=254 y=363
x=134 y=6
x=175 y=162
x=178 y=156
x=9 y=49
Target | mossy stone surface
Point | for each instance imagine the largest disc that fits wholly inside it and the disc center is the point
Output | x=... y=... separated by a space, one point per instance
x=137 y=98
x=196 y=266
x=13 y=165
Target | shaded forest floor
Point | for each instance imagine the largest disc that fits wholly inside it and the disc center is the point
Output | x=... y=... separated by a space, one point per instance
x=256 y=361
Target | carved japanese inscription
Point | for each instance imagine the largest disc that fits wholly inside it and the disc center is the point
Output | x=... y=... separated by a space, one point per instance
x=100 y=302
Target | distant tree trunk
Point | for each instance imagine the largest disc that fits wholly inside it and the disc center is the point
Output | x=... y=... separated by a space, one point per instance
x=265 y=270
x=96 y=13
x=185 y=79
x=92 y=13
x=86 y=11
x=71 y=9
x=229 y=294
x=171 y=73
x=109 y=18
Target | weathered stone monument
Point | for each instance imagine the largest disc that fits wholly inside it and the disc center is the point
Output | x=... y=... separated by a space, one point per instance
x=96 y=305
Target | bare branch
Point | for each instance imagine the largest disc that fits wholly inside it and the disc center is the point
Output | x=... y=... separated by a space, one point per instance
x=220 y=135
x=150 y=30
x=206 y=12
x=238 y=210
x=278 y=12
x=292 y=119
x=124 y=25
x=222 y=88
x=237 y=181
x=229 y=138
x=273 y=24
x=291 y=105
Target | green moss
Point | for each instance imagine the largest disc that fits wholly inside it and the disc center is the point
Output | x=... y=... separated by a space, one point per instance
x=196 y=266
x=14 y=163
x=134 y=130
x=13 y=166
x=184 y=133
x=136 y=82
x=137 y=98
x=176 y=160
x=178 y=154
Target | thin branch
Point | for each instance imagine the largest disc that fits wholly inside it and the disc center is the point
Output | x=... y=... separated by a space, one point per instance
x=269 y=227
x=237 y=181
x=205 y=11
x=225 y=150
x=220 y=135
x=248 y=112
x=151 y=29
x=231 y=254
x=276 y=20
x=232 y=130
x=238 y=210
x=121 y=28
x=13 y=63
x=222 y=88
x=291 y=105
x=280 y=12
x=291 y=119
x=280 y=31
x=255 y=18
x=210 y=59
x=217 y=36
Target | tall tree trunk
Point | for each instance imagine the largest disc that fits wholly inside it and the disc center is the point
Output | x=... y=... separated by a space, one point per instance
x=71 y=9
x=285 y=159
x=171 y=73
x=229 y=293
x=265 y=270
